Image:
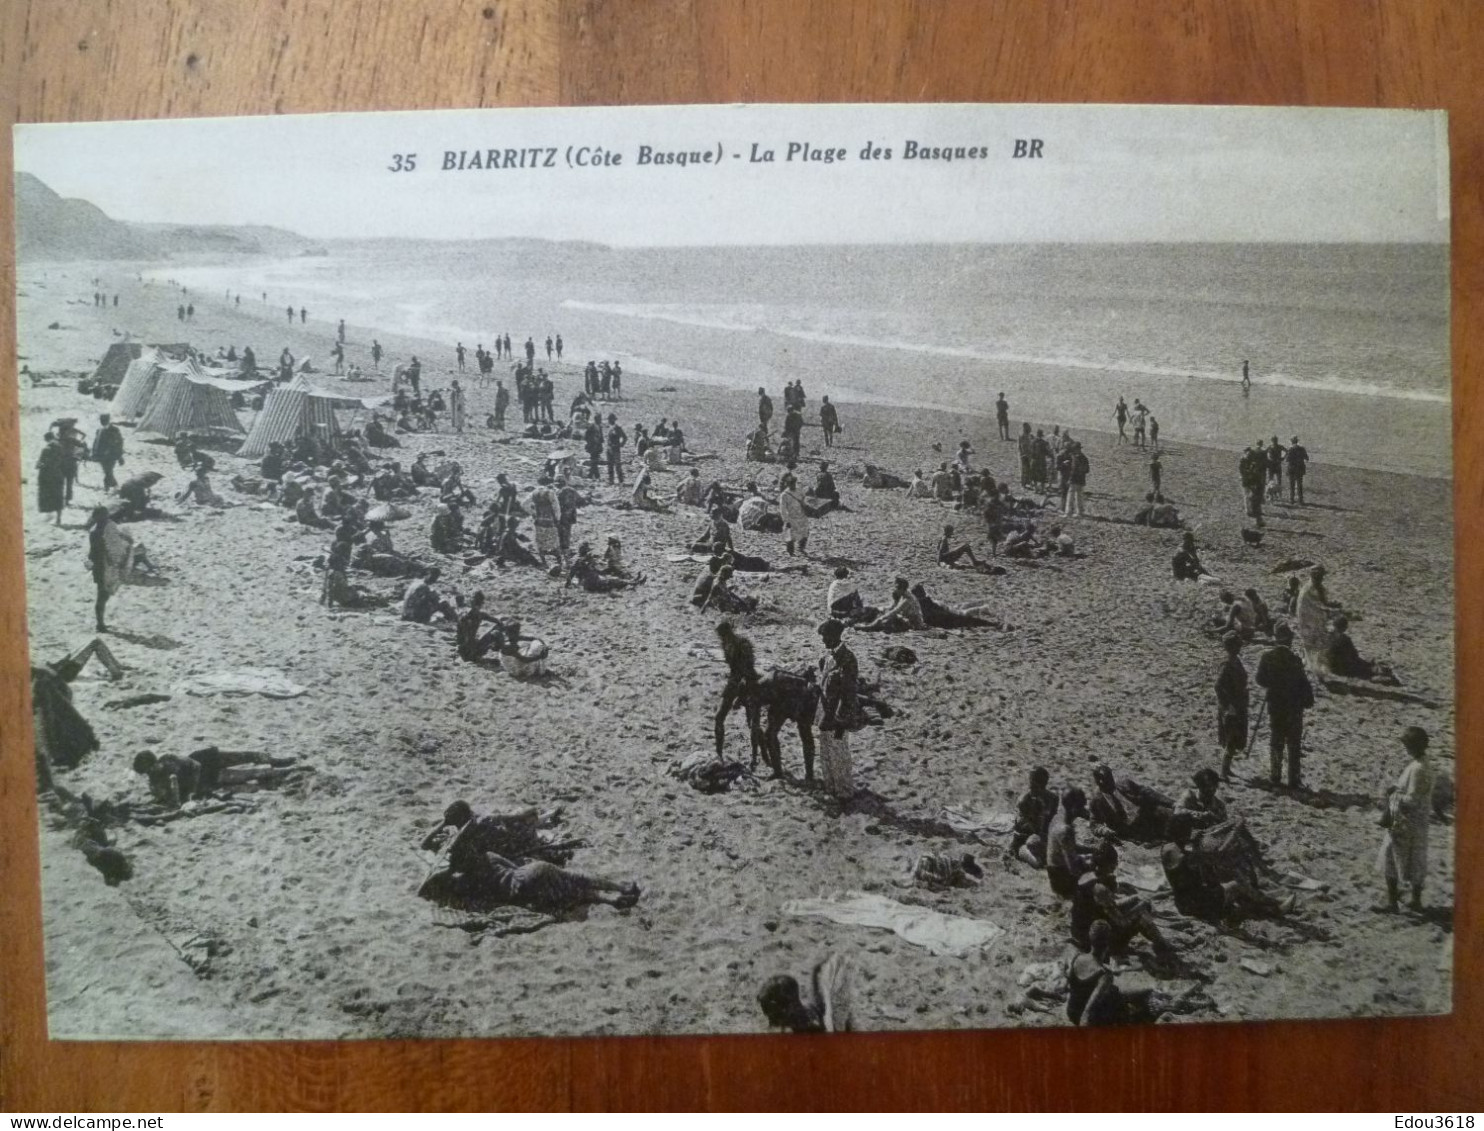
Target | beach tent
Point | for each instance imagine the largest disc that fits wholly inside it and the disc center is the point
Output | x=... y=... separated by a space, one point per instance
x=140 y=377
x=293 y=410
x=116 y=362
x=187 y=398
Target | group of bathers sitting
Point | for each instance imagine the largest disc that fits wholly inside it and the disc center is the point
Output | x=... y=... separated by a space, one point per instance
x=1214 y=867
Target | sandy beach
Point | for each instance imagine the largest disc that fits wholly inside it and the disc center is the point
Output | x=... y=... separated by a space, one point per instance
x=298 y=917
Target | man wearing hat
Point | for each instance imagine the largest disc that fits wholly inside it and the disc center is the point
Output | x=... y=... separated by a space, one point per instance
x=1281 y=674
x=1231 y=704
x=1298 y=462
x=108 y=449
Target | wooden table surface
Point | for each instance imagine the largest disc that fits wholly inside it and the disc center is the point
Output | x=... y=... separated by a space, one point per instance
x=108 y=59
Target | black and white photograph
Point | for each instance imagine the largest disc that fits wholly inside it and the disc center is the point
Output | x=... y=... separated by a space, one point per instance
x=738 y=569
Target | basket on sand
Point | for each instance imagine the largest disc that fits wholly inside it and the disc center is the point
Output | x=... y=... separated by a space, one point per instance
x=528 y=659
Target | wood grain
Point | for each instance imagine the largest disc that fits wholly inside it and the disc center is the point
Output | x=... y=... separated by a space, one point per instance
x=110 y=59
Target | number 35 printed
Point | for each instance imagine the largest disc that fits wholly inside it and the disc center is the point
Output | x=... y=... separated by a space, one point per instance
x=403 y=163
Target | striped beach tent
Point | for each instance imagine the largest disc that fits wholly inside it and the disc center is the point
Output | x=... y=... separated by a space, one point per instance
x=292 y=411
x=187 y=398
x=138 y=383
x=116 y=362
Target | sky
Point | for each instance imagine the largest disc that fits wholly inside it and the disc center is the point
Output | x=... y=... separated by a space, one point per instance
x=1107 y=173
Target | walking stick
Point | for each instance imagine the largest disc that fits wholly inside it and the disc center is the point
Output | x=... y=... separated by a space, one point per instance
x=1252 y=734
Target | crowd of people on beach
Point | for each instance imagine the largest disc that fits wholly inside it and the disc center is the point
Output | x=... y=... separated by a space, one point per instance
x=350 y=487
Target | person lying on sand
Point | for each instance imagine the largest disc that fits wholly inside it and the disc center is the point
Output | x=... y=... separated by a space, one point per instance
x=512 y=547
x=174 y=780
x=377 y=435
x=1097 y=900
x=1033 y=814
x=592 y=577
x=753 y=513
x=478 y=873
x=1205 y=883
x=875 y=479
x=904 y=614
x=376 y=556
x=935 y=615
x=950 y=555
x=422 y=601
x=1126 y=809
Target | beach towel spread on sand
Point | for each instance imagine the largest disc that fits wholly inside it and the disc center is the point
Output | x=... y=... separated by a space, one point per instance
x=267 y=682
x=940 y=934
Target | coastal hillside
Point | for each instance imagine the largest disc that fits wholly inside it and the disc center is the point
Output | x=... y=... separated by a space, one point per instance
x=49 y=226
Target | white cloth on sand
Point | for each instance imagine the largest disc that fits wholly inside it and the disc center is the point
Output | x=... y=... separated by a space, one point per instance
x=965 y=820
x=940 y=934
x=268 y=682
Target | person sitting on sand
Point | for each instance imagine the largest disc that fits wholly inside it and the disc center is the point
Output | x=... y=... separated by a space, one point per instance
x=199 y=491
x=1097 y=900
x=174 y=780
x=1187 y=562
x=1023 y=543
x=1345 y=660
x=592 y=578
x=377 y=435
x=275 y=461
x=338 y=592
x=717 y=537
x=876 y=479
x=1128 y=810
x=134 y=498
x=479 y=873
x=1065 y=860
x=712 y=591
x=1204 y=886
x=472 y=647
x=1200 y=803
x=1094 y=997
x=1059 y=542
x=1034 y=811
x=1158 y=514
x=827 y=1010
x=642 y=500
x=376 y=555
x=511 y=547
x=950 y=555
x=305 y=513
x=613 y=563
x=844 y=600
x=422 y=602
x=688 y=492
x=826 y=493
x=904 y=614
x=935 y=615
x=446 y=535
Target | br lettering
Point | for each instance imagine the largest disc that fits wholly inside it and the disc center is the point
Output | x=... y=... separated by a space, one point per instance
x=1028 y=147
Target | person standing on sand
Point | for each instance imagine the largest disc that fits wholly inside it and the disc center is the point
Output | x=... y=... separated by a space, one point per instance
x=375 y=355
x=1311 y=608
x=1282 y=675
x=614 y=441
x=741 y=685
x=829 y=421
x=839 y=710
x=456 y=413
x=1120 y=414
x=303 y=316
x=1231 y=704
x=340 y=332
x=502 y=403
x=111 y=555
x=509 y=354
x=1403 y=856
x=1246 y=377
x=1153 y=432
x=291 y=314
x=1298 y=465
x=559 y=347
x=548 y=347
x=51 y=480
x=415 y=376
x=1027 y=441
x=1156 y=471
x=1140 y=415
x=795 y=518
x=764 y=408
x=530 y=352
x=1077 y=480
x=459 y=354
x=108 y=449
x=1002 y=416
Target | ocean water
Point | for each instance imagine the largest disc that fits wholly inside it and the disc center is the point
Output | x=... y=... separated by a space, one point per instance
x=1348 y=344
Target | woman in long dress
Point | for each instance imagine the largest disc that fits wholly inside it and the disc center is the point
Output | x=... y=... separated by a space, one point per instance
x=1312 y=610
x=456 y=407
x=795 y=518
x=111 y=556
x=51 y=479
x=1403 y=856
